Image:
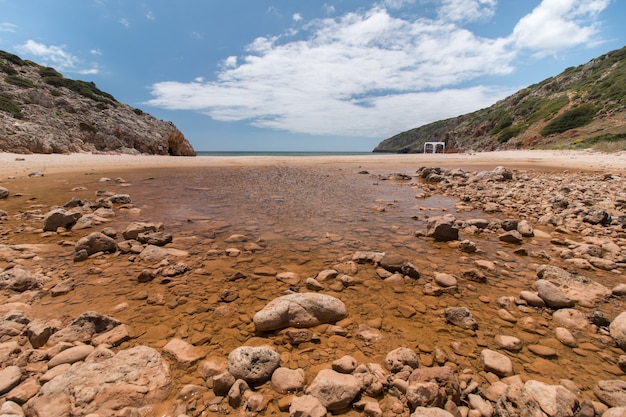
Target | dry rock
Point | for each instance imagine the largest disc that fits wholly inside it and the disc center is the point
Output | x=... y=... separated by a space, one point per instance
x=285 y=380
x=334 y=390
x=299 y=310
x=496 y=362
x=255 y=365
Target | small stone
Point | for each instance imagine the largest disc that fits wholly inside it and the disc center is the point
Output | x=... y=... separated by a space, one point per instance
x=496 y=362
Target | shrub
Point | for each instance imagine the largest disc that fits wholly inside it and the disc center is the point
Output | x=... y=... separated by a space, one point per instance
x=509 y=132
x=13 y=59
x=7 y=104
x=19 y=81
x=571 y=119
x=138 y=112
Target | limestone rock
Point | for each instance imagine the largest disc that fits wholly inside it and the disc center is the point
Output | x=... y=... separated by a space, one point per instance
x=307 y=406
x=401 y=358
x=59 y=218
x=552 y=296
x=9 y=378
x=496 y=362
x=554 y=400
x=611 y=392
x=183 y=352
x=132 y=377
x=71 y=355
x=285 y=380
x=299 y=310
x=96 y=242
x=617 y=329
x=334 y=390
x=462 y=317
x=255 y=365
x=443 y=228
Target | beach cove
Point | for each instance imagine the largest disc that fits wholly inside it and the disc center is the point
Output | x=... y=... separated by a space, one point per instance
x=497 y=275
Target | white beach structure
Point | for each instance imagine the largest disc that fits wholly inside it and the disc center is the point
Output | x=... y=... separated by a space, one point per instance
x=434 y=146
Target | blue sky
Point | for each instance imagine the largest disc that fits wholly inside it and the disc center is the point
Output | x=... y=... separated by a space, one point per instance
x=333 y=75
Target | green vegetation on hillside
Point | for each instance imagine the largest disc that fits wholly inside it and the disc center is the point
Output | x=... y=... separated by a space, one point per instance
x=571 y=119
x=84 y=88
x=8 y=105
x=578 y=97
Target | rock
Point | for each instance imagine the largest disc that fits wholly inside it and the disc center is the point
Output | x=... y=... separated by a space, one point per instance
x=543 y=351
x=571 y=318
x=364 y=257
x=152 y=253
x=59 y=218
x=430 y=412
x=400 y=359
x=462 y=317
x=285 y=380
x=9 y=378
x=307 y=406
x=445 y=280
x=113 y=337
x=11 y=409
x=516 y=402
x=71 y=355
x=183 y=352
x=448 y=387
x=611 y=392
x=467 y=246
x=96 y=242
x=617 y=329
x=393 y=263
x=372 y=378
x=299 y=310
x=236 y=393
x=334 y=390
x=512 y=236
x=254 y=365
x=119 y=199
x=19 y=280
x=222 y=383
x=155 y=238
x=532 y=299
x=601 y=217
x=577 y=287
x=4 y=193
x=615 y=412
x=525 y=229
x=84 y=327
x=131 y=378
x=554 y=400
x=133 y=230
x=38 y=333
x=552 y=295
x=510 y=343
x=496 y=362
x=565 y=336
x=345 y=365
x=24 y=391
x=443 y=228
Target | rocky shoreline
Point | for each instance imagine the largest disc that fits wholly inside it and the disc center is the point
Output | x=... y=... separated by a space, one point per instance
x=538 y=293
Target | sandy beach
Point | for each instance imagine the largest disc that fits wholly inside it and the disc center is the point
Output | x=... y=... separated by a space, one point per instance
x=17 y=165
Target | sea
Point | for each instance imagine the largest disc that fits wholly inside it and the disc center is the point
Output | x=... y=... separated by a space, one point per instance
x=278 y=153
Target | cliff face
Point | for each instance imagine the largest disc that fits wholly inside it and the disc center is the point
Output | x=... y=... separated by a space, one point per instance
x=582 y=107
x=43 y=112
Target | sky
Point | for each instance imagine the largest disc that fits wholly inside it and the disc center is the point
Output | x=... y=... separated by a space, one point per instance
x=308 y=75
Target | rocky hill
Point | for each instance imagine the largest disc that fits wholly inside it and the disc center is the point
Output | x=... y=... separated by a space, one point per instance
x=583 y=107
x=41 y=111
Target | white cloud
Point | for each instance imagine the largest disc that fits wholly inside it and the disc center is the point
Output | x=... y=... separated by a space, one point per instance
x=124 y=22
x=328 y=9
x=97 y=52
x=556 y=25
x=467 y=10
x=8 y=27
x=230 y=62
x=364 y=73
x=150 y=15
x=55 y=56
x=51 y=55
x=296 y=17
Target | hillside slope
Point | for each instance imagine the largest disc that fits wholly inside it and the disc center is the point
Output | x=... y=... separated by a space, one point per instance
x=583 y=107
x=43 y=112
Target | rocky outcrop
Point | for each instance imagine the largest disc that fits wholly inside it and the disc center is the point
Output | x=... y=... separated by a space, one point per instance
x=48 y=113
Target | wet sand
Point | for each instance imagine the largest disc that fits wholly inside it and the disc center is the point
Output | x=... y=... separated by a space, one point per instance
x=300 y=215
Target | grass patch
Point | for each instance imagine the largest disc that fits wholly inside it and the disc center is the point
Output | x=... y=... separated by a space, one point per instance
x=571 y=119
x=19 y=81
x=8 y=105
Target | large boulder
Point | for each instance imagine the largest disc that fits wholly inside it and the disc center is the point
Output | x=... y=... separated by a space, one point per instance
x=576 y=287
x=19 y=280
x=130 y=378
x=617 y=328
x=443 y=228
x=334 y=390
x=552 y=295
x=96 y=242
x=299 y=310
x=611 y=392
x=255 y=365
x=554 y=400
x=59 y=218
